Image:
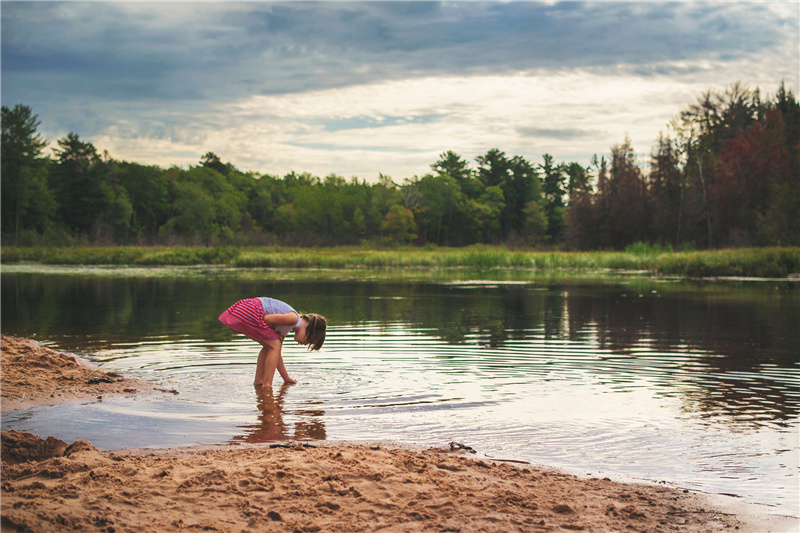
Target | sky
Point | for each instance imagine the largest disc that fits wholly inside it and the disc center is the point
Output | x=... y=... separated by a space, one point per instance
x=360 y=89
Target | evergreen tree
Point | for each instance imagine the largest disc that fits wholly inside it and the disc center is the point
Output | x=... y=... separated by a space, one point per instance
x=451 y=164
x=578 y=178
x=579 y=220
x=27 y=201
x=78 y=183
x=665 y=189
x=212 y=161
x=554 y=190
x=519 y=184
x=780 y=224
x=628 y=218
x=702 y=131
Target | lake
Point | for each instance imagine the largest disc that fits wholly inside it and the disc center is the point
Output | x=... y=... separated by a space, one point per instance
x=695 y=384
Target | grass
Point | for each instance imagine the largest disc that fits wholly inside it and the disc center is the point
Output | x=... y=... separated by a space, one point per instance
x=750 y=262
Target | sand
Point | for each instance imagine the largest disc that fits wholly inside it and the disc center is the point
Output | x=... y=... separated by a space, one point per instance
x=35 y=376
x=50 y=485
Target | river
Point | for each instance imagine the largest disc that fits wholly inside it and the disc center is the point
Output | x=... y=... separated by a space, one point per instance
x=695 y=384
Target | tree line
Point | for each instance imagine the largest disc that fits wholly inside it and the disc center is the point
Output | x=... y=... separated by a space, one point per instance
x=726 y=174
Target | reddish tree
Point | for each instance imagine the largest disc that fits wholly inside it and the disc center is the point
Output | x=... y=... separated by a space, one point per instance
x=751 y=169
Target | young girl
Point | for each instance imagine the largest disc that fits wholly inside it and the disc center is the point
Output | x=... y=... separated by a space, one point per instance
x=267 y=321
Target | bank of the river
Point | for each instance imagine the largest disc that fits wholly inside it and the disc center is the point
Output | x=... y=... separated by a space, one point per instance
x=50 y=485
x=748 y=262
x=35 y=376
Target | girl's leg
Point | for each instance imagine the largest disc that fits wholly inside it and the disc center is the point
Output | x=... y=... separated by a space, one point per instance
x=262 y=361
x=268 y=359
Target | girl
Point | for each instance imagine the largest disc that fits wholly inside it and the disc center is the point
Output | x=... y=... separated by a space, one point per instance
x=267 y=321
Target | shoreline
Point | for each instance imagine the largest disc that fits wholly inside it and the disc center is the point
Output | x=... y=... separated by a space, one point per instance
x=36 y=376
x=327 y=486
x=49 y=484
x=778 y=263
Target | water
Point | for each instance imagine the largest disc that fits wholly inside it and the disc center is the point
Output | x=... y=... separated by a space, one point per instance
x=692 y=384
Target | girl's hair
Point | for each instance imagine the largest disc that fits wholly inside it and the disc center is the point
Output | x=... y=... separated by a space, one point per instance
x=315 y=330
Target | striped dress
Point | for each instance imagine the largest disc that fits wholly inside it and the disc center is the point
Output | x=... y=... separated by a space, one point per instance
x=247 y=317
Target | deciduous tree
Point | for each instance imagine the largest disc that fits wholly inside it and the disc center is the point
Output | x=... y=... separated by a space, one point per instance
x=398 y=226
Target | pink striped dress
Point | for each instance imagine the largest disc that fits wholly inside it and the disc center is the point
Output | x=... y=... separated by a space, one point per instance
x=247 y=317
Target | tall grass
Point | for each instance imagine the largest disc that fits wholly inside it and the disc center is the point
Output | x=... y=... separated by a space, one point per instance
x=753 y=262
x=119 y=255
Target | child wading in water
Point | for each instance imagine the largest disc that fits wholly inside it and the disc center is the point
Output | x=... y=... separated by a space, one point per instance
x=267 y=321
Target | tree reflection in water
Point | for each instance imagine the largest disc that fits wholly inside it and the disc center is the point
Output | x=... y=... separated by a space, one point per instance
x=673 y=332
x=697 y=381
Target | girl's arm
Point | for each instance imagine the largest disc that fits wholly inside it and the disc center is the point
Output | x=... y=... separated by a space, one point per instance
x=287 y=379
x=285 y=319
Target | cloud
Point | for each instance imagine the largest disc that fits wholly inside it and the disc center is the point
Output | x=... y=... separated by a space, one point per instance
x=569 y=134
x=368 y=87
x=400 y=127
x=195 y=50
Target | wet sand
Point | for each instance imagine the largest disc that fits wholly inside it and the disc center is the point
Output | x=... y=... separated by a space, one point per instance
x=35 y=376
x=51 y=485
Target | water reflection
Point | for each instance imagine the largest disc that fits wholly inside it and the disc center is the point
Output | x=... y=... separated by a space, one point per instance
x=745 y=402
x=751 y=325
x=638 y=329
x=271 y=425
x=697 y=383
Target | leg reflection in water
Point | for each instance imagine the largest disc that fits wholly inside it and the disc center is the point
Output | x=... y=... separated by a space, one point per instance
x=271 y=426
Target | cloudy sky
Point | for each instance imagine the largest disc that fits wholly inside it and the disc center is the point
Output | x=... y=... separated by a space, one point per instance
x=362 y=88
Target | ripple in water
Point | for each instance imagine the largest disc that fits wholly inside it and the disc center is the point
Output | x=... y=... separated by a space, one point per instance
x=698 y=390
x=567 y=404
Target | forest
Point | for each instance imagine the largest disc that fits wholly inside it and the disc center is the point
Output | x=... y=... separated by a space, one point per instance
x=725 y=174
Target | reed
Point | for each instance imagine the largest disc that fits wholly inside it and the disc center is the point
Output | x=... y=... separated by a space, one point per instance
x=752 y=262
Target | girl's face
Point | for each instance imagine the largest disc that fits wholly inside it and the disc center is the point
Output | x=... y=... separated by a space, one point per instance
x=300 y=333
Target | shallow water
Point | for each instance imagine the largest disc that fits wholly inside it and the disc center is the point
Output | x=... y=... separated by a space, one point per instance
x=692 y=384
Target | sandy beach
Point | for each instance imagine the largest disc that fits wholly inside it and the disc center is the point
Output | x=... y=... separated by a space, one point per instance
x=35 y=376
x=52 y=485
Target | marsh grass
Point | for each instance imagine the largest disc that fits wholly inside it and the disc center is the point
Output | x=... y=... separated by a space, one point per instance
x=752 y=262
x=119 y=255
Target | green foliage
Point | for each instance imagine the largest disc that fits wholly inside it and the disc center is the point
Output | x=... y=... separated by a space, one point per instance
x=510 y=185
x=212 y=161
x=554 y=191
x=647 y=249
x=753 y=262
x=188 y=256
x=147 y=190
x=728 y=175
x=398 y=226
x=27 y=201
x=535 y=223
x=206 y=207
x=761 y=262
x=77 y=181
